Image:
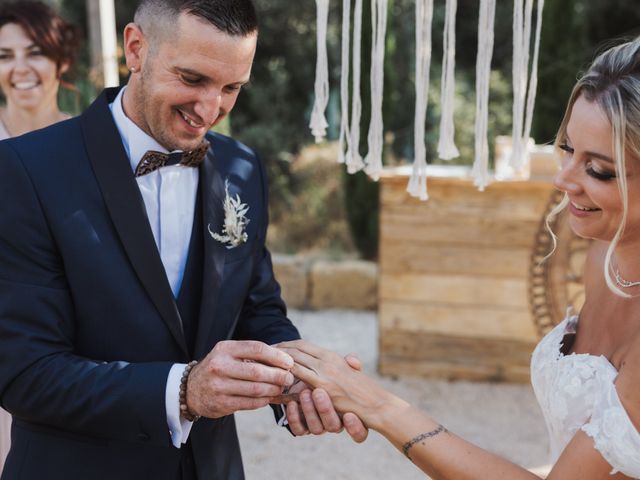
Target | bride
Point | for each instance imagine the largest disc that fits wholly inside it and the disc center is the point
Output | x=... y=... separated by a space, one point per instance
x=585 y=372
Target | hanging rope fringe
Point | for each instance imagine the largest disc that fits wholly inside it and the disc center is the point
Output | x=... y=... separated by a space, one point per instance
x=375 y=138
x=424 y=17
x=533 y=81
x=480 y=170
x=446 y=145
x=318 y=123
x=345 y=135
x=519 y=79
x=523 y=101
x=353 y=159
x=524 y=86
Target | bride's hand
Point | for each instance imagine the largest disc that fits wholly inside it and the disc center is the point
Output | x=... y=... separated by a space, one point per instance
x=350 y=390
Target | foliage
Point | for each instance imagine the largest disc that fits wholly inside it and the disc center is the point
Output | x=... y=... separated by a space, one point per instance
x=573 y=32
x=273 y=112
x=361 y=205
x=316 y=220
x=361 y=193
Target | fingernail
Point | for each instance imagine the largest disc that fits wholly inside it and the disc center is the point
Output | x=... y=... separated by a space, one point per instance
x=289 y=379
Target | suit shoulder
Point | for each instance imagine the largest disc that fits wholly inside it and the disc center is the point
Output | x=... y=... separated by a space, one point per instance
x=222 y=144
x=233 y=159
x=56 y=139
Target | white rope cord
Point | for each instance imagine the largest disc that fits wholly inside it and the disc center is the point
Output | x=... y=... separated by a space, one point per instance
x=353 y=159
x=375 y=138
x=533 y=81
x=446 y=145
x=522 y=13
x=424 y=16
x=345 y=135
x=517 y=78
x=480 y=170
x=318 y=123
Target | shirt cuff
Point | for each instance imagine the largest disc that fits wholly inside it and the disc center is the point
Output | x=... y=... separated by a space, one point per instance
x=283 y=421
x=179 y=428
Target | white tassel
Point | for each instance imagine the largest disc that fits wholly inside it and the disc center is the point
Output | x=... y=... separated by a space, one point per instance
x=424 y=17
x=480 y=170
x=522 y=16
x=345 y=135
x=318 y=123
x=446 y=145
x=353 y=159
x=533 y=81
x=516 y=79
x=375 y=138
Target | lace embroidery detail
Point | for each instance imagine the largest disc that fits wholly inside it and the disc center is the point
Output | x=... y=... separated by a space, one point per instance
x=576 y=391
x=613 y=433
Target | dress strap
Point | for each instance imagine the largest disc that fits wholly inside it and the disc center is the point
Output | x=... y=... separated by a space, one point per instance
x=613 y=432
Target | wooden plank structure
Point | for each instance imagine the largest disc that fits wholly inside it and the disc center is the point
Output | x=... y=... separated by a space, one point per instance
x=453 y=294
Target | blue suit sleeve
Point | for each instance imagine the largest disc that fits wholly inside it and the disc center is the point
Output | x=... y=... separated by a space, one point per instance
x=264 y=314
x=43 y=380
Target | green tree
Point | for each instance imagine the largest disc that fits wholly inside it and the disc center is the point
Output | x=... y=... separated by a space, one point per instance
x=361 y=194
x=573 y=32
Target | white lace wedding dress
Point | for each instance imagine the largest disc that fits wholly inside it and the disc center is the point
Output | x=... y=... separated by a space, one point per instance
x=576 y=391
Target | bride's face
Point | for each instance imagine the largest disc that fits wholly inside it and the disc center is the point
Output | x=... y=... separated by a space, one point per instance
x=588 y=177
x=28 y=78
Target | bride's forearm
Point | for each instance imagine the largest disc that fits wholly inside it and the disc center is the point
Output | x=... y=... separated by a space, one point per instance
x=438 y=452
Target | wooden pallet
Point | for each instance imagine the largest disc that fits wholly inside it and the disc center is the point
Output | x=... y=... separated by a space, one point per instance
x=454 y=273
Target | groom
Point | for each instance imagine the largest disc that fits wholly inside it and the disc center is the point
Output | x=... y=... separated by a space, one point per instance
x=120 y=265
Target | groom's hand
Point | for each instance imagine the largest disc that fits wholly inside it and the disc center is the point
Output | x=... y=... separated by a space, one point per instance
x=237 y=375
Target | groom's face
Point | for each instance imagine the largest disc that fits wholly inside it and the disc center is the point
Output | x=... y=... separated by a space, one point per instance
x=189 y=82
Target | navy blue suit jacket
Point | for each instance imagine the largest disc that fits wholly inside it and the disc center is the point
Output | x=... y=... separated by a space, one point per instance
x=89 y=327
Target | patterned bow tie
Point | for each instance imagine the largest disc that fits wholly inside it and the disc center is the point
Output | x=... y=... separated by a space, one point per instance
x=152 y=160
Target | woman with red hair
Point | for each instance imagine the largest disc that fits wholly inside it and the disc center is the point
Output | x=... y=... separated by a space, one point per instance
x=37 y=47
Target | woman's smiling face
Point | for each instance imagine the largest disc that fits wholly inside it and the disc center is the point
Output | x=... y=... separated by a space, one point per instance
x=28 y=78
x=588 y=176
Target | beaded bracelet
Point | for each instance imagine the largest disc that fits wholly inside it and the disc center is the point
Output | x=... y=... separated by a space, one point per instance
x=184 y=409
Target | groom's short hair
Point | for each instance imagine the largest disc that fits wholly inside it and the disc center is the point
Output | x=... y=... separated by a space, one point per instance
x=158 y=18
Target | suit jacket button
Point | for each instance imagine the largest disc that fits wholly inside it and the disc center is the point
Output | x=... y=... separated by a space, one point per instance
x=143 y=437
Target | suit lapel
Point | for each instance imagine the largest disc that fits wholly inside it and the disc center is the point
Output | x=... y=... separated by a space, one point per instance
x=126 y=207
x=212 y=195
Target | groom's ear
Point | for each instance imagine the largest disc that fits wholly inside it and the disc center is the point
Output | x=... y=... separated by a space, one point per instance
x=135 y=46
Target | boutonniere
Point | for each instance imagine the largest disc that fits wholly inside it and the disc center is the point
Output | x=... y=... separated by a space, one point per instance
x=235 y=221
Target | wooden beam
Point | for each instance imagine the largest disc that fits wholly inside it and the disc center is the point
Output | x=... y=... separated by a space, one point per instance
x=103 y=41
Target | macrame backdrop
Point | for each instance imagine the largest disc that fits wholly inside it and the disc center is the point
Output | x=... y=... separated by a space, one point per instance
x=353 y=159
x=375 y=138
x=446 y=145
x=318 y=123
x=424 y=16
x=480 y=172
x=524 y=86
x=345 y=136
x=519 y=156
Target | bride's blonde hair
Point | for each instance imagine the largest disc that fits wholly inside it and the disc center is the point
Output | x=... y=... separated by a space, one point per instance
x=613 y=83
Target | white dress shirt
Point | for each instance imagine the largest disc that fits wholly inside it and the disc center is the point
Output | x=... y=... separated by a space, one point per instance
x=169 y=195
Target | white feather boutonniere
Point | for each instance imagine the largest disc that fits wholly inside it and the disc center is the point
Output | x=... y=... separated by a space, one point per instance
x=235 y=221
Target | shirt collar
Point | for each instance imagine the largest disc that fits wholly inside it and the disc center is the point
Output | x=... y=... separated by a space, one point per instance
x=135 y=140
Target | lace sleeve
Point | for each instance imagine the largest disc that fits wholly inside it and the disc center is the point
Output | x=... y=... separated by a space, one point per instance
x=613 y=433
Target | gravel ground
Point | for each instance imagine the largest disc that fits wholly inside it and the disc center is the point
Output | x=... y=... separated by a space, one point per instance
x=500 y=417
